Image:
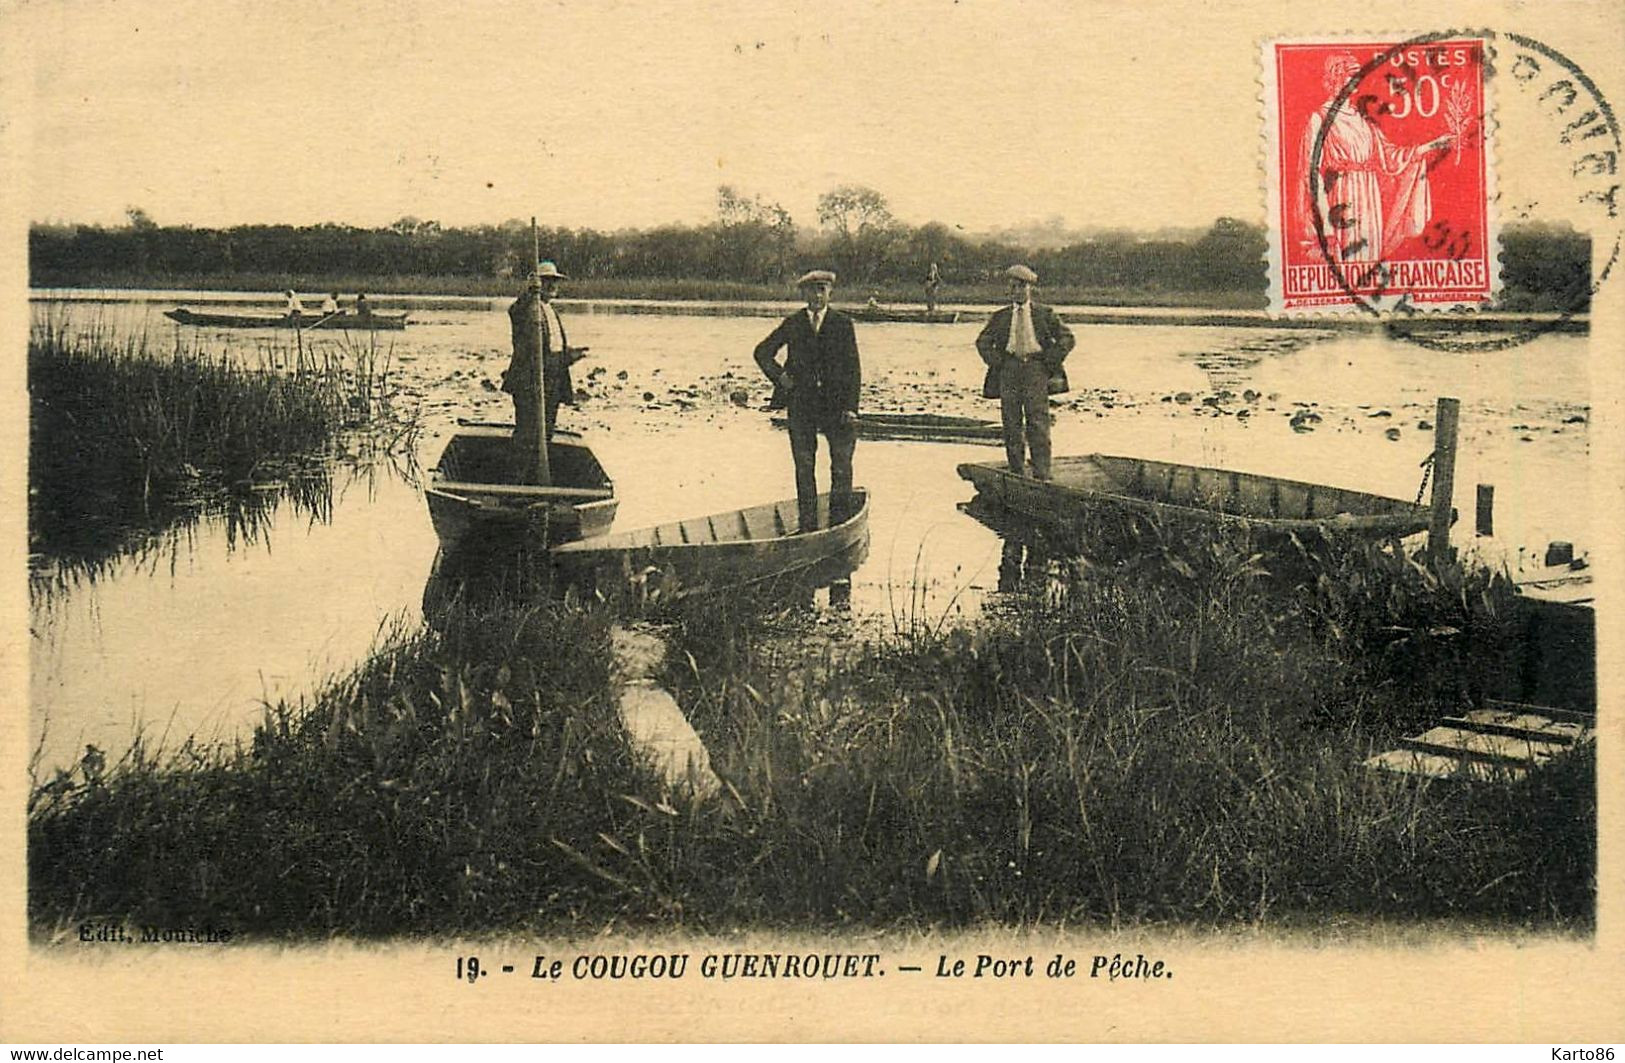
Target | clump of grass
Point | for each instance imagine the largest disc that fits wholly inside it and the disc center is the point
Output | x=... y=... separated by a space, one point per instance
x=124 y=438
x=1148 y=743
x=1424 y=637
x=1172 y=743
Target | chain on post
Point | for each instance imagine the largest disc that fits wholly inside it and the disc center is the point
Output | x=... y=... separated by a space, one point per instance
x=1427 y=473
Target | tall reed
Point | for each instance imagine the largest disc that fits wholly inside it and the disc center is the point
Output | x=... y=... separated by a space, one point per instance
x=123 y=436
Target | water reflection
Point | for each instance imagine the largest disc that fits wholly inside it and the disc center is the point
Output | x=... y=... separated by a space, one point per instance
x=235 y=608
x=1029 y=552
x=66 y=554
x=483 y=575
x=1232 y=362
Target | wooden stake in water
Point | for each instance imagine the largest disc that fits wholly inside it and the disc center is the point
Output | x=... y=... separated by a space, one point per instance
x=1485 y=524
x=1444 y=477
x=542 y=474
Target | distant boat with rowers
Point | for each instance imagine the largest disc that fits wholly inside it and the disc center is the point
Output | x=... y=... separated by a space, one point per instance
x=342 y=320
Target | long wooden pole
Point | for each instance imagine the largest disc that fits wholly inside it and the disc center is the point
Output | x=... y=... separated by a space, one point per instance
x=1444 y=477
x=543 y=473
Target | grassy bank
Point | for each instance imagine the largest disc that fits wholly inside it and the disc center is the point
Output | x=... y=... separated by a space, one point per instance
x=124 y=437
x=1174 y=739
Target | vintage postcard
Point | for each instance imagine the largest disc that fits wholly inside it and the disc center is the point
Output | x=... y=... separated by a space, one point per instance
x=909 y=522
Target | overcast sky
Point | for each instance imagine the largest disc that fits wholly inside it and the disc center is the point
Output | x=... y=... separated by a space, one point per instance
x=621 y=114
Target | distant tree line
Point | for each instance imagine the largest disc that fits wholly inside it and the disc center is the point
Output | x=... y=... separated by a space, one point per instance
x=750 y=241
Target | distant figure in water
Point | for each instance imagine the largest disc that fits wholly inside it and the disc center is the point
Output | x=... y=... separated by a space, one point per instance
x=295 y=307
x=520 y=379
x=362 y=307
x=874 y=299
x=933 y=280
x=330 y=305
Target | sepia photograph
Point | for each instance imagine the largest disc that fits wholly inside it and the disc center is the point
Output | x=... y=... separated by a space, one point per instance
x=936 y=520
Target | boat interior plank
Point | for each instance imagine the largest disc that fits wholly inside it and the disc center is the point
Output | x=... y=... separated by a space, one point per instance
x=1182 y=487
x=1294 y=501
x=1086 y=474
x=758 y=521
x=1256 y=498
x=1329 y=502
x=1210 y=489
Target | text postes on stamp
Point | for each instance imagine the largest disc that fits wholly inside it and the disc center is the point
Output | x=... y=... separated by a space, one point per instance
x=1379 y=171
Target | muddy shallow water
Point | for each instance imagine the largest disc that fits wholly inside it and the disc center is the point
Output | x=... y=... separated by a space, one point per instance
x=193 y=636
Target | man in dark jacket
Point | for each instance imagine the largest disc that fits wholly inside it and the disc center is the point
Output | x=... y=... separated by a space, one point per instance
x=818 y=384
x=1023 y=346
x=520 y=379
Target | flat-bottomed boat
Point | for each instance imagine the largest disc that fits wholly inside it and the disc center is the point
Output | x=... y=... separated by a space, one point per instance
x=1107 y=485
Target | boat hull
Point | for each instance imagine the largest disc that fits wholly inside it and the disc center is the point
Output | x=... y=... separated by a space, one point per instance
x=1100 y=485
x=922 y=427
x=729 y=549
x=918 y=317
x=475 y=498
x=345 y=321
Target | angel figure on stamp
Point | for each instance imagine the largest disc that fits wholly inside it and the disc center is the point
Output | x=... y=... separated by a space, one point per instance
x=1372 y=194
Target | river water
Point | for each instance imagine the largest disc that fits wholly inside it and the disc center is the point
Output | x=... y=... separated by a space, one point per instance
x=193 y=636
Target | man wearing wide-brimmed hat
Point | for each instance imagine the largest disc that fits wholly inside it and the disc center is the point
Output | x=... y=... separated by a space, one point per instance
x=818 y=385
x=1023 y=346
x=520 y=379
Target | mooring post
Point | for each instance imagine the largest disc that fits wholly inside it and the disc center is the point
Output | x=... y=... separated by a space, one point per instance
x=1444 y=478
x=1486 y=509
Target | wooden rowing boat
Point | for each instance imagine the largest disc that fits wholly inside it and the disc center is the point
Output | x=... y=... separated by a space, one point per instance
x=344 y=320
x=1101 y=484
x=918 y=317
x=476 y=495
x=730 y=549
x=924 y=427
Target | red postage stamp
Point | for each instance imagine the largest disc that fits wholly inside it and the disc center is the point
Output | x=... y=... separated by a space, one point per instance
x=1379 y=175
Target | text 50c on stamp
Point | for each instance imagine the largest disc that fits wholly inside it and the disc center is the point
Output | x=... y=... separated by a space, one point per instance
x=1379 y=175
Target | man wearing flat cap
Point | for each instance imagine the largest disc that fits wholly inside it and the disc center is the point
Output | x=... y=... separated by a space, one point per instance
x=520 y=379
x=818 y=386
x=1023 y=346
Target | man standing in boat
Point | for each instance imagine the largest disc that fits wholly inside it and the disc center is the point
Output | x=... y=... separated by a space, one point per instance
x=520 y=378
x=818 y=385
x=1023 y=346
